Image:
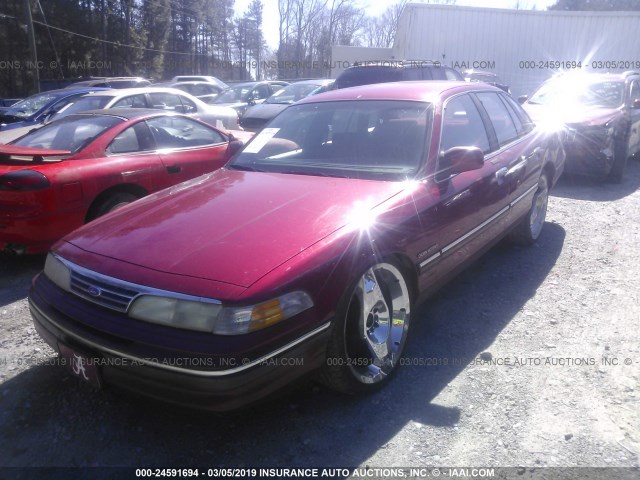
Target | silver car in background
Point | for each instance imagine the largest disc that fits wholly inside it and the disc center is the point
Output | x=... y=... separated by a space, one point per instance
x=168 y=99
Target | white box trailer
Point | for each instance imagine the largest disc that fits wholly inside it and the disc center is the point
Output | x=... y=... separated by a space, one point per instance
x=523 y=47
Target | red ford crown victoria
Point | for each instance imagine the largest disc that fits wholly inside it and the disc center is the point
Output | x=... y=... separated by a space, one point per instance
x=306 y=253
x=78 y=168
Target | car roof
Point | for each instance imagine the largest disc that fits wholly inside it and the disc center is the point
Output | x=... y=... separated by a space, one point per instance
x=398 y=64
x=478 y=72
x=242 y=84
x=128 y=113
x=315 y=81
x=117 y=92
x=192 y=82
x=423 y=91
x=593 y=76
x=65 y=92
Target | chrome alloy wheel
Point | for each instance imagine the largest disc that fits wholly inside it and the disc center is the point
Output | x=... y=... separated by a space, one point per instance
x=377 y=323
x=539 y=208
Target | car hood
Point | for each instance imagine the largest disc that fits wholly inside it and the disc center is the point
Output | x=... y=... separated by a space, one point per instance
x=265 y=111
x=230 y=226
x=587 y=116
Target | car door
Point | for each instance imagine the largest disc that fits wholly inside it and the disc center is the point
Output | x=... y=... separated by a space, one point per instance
x=520 y=153
x=460 y=213
x=130 y=158
x=186 y=147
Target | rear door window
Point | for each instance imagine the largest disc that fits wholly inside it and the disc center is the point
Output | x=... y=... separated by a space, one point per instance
x=132 y=101
x=500 y=118
x=165 y=101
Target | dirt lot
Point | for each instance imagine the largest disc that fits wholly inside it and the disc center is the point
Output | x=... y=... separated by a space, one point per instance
x=530 y=358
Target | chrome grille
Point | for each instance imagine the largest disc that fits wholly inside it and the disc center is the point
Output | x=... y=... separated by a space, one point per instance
x=101 y=291
x=113 y=293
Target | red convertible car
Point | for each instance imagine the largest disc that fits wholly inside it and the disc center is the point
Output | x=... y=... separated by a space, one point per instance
x=306 y=253
x=74 y=170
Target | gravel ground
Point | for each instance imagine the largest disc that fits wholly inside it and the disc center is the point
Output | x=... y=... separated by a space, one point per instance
x=530 y=358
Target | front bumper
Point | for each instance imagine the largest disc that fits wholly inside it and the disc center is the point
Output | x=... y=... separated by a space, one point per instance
x=36 y=234
x=588 y=153
x=219 y=385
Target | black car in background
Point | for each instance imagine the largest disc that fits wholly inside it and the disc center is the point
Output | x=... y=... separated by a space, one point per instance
x=394 y=71
x=257 y=116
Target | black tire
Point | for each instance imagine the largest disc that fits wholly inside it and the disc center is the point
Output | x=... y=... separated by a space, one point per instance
x=620 y=157
x=364 y=350
x=110 y=203
x=529 y=229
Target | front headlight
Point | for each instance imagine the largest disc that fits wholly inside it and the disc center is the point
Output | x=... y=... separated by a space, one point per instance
x=174 y=312
x=57 y=272
x=214 y=318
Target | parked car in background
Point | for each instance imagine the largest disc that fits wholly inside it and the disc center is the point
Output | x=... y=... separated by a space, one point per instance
x=394 y=71
x=33 y=111
x=83 y=166
x=205 y=91
x=257 y=116
x=599 y=115
x=7 y=102
x=313 y=244
x=113 y=82
x=199 y=78
x=168 y=99
x=486 y=77
x=241 y=96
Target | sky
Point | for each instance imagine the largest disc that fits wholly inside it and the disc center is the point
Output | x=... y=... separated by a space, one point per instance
x=376 y=7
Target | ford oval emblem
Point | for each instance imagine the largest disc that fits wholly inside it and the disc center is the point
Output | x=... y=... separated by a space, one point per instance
x=94 y=291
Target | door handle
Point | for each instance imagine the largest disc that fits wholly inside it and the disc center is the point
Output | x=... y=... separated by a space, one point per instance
x=501 y=174
x=520 y=165
x=174 y=169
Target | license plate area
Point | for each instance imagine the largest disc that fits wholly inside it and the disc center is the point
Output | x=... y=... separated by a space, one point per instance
x=81 y=364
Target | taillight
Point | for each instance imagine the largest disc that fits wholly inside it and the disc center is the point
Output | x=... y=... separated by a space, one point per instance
x=21 y=180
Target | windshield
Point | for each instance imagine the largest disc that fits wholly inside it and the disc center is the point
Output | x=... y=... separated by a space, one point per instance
x=83 y=104
x=372 y=139
x=234 y=94
x=293 y=93
x=71 y=133
x=30 y=106
x=607 y=94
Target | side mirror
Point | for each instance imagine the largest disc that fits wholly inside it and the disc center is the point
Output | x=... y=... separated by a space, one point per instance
x=636 y=103
x=522 y=99
x=462 y=159
x=252 y=101
x=234 y=146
